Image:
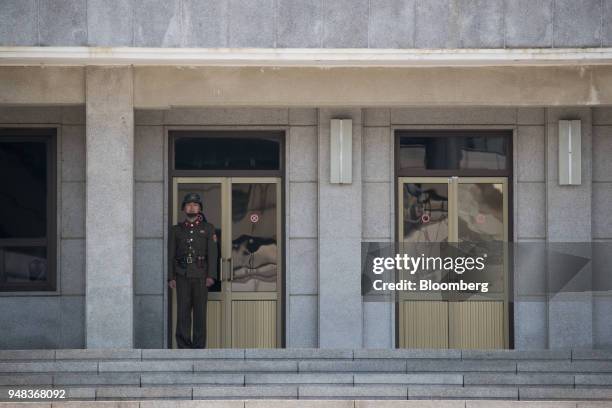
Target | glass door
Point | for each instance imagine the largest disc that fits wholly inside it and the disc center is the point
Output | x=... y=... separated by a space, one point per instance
x=472 y=212
x=244 y=306
x=424 y=220
x=254 y=279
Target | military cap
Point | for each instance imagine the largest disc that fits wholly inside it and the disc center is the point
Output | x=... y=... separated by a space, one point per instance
x=191 y=198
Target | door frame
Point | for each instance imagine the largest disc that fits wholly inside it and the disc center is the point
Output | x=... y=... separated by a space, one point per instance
x=510 y=131
x=170 y=132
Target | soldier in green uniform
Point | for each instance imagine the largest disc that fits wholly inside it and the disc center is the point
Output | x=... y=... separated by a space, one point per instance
x=193 y=246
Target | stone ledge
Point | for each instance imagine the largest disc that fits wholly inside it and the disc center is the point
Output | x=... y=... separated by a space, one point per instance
x=219 y=366
x=537 y=393
x=50 y=366
x=259 y=392
x=408 y=353
x=518 y=379
x=516 y=354
x=442 y=378
x=591 y=354
x=293 y=403
x=140 y=393
x=98 y=354
x=165 y=354
x=300 y=378
x=299 y=353
x=145 y=366
x=195 y=379
x=565 y=366
x=455 y=392
x=372 y=365
x=357 y=392
x=12 y=355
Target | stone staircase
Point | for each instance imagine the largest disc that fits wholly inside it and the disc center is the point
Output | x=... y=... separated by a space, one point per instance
x=309 y=374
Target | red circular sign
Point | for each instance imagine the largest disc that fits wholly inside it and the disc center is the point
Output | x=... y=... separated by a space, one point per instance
x=425 y=218
x=254 y=217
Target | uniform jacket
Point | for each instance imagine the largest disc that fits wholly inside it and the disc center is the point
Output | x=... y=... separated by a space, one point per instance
x=193 y=247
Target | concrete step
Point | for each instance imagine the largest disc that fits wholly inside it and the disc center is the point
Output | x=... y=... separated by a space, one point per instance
x=245 y=374
x=346 y=378
x=303 y=354
x=323 y=392
x=535 y=379
x=255 y=403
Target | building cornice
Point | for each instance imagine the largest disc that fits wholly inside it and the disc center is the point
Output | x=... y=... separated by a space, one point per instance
x=301 y=57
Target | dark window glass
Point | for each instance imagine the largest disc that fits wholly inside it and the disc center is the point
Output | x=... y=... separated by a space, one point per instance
x=23 y=189
x=27 y=208
x=25 y=264
x=227 y=150
x=453 y=150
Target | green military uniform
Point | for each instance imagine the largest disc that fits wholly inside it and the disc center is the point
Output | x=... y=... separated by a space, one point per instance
x=194 y=252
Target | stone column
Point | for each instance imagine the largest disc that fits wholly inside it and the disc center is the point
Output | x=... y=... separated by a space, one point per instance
x=530 y=300
x=109 y=220
x=568 y=219
x=340 y=228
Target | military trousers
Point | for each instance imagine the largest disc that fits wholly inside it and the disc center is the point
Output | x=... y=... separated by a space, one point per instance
x=191 y=295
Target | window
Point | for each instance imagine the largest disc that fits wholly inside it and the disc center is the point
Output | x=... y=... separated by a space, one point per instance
x=227 y=150
x=27 y=209
x=454 y=150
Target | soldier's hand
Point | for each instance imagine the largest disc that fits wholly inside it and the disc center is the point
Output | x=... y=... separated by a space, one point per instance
x=209 y=282
x=172 y=284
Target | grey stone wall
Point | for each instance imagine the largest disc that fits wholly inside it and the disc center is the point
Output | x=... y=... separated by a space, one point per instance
x=530 y=314
x=302 y=220
x=340 y=235
x=62 y=323
x=54 y=319
x=378 y=215
x=109 y=287
x=308 y=23
x=149 y=248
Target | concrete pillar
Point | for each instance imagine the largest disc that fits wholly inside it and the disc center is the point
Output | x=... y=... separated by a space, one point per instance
x=568 y=219
x=340 y=230
x=109 y=220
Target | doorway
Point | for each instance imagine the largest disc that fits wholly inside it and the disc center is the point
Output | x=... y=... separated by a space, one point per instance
x=456 y=210
x=454 y=189
x=245 y=304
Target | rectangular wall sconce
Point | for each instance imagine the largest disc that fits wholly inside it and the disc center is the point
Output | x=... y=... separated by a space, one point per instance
x=340 y=149
x=569 y=153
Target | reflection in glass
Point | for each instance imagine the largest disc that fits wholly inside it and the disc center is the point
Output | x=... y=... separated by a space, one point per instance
x=425 y=212
x=254 y=240
x=425 y=221
x=481 y=212
x=25 y=264
x=481 y=229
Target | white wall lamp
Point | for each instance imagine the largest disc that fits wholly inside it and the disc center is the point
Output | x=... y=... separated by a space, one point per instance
x=340 y=149
x=569 y=153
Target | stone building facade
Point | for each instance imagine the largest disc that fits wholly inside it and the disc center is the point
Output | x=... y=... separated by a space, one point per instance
x=114 y=80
